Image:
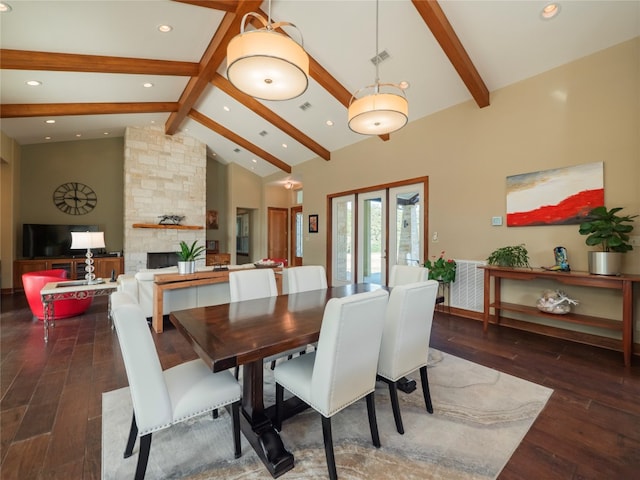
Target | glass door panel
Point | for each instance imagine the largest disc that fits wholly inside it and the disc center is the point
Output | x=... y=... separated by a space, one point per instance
x=406 y=225
x=342 y=244
x=372 y=237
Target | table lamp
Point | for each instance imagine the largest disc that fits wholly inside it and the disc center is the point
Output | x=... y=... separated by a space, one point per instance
x=88 y=240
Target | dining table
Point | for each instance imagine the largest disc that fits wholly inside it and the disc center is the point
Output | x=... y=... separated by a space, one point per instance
x=244 y=334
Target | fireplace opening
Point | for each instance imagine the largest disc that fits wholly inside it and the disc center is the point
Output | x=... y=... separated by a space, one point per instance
x=162 y=259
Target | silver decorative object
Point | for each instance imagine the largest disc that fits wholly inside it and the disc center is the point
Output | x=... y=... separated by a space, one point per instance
x=170 y=219
x=555 y=301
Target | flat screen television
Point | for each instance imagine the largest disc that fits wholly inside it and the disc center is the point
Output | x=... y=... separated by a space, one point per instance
x=42 y=241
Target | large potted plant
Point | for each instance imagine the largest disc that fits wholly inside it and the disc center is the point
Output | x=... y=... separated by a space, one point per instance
x=188 y=255
x=513 y=256
x=611 y=232
x=441 y=269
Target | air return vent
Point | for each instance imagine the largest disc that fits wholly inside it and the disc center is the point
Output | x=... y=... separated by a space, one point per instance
x=381 y=57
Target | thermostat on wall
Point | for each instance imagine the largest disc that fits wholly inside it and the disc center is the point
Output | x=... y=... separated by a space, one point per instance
x=496 y=221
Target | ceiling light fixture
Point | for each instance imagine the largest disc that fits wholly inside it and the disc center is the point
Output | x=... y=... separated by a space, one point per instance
x=4 y=7
x=378 y=112
x=165 y=28
x=33 y=83
x=266 y=64
x=147 y=85
x=550 y=10
x=288 y=185
x=50 y=121
x=329 y=123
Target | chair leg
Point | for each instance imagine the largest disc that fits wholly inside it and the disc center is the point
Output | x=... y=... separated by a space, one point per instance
x=214 y=413
x=237 y=372
x=235 y=414
x=395 y=406
x=328 y=447
x=425 y=389
x=273 y=364
x=279 y=401
x=133 y=434
x=143 y=456
x=373 y=423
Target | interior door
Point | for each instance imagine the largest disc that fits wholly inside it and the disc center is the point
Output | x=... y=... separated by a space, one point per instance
x=277 y=242
x=297 y=236
x=372 y=238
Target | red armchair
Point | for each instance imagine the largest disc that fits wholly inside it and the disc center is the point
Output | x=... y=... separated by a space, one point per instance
x=33 y=282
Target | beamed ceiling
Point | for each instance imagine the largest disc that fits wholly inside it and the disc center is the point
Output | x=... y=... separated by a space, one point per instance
x=93 y=58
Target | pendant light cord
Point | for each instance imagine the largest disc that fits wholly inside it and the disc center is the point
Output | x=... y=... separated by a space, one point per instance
x=377 y=49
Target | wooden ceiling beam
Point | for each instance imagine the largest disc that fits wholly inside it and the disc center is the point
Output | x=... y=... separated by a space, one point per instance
x=238 y=140
x=255 y=106
x=17 y=110
x=70 y=62
x=437 y=21
x=212 y=58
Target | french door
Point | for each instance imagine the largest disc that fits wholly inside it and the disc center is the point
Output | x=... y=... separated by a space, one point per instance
x=376 y=228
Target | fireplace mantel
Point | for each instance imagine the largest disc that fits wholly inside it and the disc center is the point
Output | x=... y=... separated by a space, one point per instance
x=167 y=227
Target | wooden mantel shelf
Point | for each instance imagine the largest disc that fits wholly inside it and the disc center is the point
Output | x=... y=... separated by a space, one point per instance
x=167 y=227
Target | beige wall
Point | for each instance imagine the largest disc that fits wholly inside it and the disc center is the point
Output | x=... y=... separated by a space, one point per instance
x=9 y=207
x=217 y=199
x=96 y=163
x=583 y=112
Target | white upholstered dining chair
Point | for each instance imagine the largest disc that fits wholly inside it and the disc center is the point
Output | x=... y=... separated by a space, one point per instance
x=343 y=368
x=164 y=398
x=403 y=274
x=405 y=339
x=305 y=278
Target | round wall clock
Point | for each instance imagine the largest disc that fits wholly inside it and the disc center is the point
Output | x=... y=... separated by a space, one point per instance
x=75 y=198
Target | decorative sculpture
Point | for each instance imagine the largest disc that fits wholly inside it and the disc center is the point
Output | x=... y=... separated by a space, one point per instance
x=555 y=301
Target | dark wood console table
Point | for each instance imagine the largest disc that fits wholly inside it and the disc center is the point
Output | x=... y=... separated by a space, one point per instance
x=624 y=283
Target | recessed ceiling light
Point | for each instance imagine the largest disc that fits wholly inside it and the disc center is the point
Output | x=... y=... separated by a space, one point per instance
x=165 y=28
x=225 y=108
x=330 y=123
x=550 y=10
x=50 y=121
x=404 y=85
x=105 y=133
x=47 y=138
x=78 y=134
x=254 y=160
x=33 y=83
x=4 y=7
x=147 y=85
x=284 y=145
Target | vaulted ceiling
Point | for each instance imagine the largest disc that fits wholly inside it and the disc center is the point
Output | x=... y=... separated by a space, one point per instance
x=93 y=57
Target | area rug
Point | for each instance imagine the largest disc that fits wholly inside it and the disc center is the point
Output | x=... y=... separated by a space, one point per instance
x=480 y=417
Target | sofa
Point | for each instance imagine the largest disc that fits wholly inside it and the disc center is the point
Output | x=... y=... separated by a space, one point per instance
x=140 y=287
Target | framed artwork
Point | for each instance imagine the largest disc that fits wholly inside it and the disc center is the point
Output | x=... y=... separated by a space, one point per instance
x=313 y=223
x=561 y=196
x=212 y=219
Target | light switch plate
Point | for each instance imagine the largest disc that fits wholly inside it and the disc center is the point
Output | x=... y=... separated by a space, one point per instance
x=496 y=221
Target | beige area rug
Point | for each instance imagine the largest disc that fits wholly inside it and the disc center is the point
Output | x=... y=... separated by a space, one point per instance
x=480 y=417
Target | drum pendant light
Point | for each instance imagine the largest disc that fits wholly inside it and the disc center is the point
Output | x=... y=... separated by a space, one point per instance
x=265 y=64
x=382 y=108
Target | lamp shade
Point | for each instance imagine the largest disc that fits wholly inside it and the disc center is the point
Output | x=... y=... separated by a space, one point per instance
x=378 y=113
x=267 y=65
x=88 y=240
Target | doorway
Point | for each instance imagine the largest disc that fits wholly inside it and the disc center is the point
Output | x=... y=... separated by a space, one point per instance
x=297 y=222
x=277 y=233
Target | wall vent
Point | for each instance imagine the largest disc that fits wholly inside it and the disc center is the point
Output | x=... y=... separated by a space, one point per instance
x=263 y=133
x=237 y=150
x=305 y=106
x=467 y=292
x=381 y=57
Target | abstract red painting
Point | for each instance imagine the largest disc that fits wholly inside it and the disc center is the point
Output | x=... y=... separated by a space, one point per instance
x=561 y=196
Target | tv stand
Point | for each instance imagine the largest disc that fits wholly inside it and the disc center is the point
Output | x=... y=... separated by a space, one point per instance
x=104 y=265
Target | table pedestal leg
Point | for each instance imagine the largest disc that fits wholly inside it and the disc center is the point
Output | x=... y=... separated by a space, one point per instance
x=257 y=427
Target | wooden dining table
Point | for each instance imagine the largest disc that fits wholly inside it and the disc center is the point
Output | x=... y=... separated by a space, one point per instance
x=246 y=332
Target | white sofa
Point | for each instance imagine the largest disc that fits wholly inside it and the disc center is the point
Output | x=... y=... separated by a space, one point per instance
x=140 y=287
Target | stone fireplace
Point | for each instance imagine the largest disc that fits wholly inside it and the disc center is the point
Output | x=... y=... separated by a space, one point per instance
x=164 y=175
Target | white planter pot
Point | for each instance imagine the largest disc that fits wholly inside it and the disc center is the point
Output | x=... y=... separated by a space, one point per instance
x=605 y=263
x=187 y=267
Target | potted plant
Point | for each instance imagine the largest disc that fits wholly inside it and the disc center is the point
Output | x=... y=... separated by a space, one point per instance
x=188 y=255
x=511 y=256
x=441 y=269
x=611 y=231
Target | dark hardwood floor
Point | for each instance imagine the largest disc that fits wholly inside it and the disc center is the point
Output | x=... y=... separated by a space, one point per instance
x=51 y=395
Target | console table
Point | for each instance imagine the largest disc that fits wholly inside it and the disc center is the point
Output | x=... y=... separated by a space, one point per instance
x=624 y=283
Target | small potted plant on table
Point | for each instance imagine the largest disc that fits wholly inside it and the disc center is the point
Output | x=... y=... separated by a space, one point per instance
x=513 y=256
x=188 y=255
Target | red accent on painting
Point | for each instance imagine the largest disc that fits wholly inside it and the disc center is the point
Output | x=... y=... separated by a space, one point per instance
x=570 y=211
